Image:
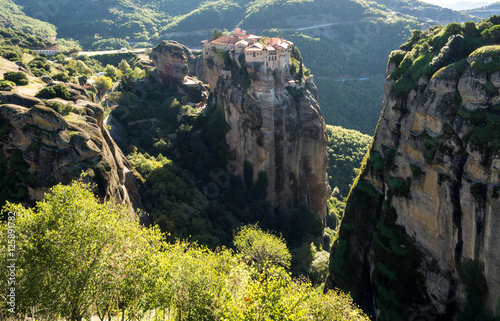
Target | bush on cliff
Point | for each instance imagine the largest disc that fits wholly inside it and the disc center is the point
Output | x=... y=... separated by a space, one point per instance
x=39 y=66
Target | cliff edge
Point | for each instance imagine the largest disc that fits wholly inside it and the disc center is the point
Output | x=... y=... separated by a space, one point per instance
x=419 y=238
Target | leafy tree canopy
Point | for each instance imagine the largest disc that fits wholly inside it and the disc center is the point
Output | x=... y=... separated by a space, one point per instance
x=261 y=249
x=77 y=256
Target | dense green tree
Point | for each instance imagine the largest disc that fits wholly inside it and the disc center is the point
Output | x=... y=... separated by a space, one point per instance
x=216 y=34
x=103 y=84
x=261 y=249
x=111 y=72
x=145 y=164
x=39 y=66
x=69 y=248
x=124 y=66
x=78 y=257
x=79 y=67
x=61 y=76
x=4 y=84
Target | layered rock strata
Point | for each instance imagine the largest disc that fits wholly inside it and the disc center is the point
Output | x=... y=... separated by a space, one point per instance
x=40 y=148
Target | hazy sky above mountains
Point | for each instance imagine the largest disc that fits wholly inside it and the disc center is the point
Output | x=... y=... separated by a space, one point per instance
x=461 y=4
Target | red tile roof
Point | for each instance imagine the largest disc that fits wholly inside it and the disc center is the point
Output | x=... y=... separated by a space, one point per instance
x=225 y=40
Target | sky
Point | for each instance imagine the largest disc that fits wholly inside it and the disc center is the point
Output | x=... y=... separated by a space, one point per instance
x=461 y=4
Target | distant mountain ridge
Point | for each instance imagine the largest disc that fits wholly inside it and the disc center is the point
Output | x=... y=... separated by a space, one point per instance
x=486 y=12
x=346 y=47
x=468 y=5
x=143 y=20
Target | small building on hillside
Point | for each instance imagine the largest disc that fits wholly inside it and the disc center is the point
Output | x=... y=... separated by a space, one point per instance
x=273 y=52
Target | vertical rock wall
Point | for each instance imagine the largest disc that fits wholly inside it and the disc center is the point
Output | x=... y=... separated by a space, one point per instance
x=419 y=238
x=283 y=136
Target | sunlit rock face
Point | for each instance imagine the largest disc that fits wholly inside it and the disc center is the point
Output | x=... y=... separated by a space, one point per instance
x=40 y=148
x=171 y=60
x=421 y=223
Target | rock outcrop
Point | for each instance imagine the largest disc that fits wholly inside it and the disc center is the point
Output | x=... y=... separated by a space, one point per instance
x=77 y=92
x=419 y=238
x=174 y=61
x=40 y=148
x=273 y=131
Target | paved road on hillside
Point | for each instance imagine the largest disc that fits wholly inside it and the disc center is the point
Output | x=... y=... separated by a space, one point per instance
x=319 y=26
x=107 y=52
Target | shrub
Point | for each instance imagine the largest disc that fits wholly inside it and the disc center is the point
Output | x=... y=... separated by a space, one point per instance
x=12 y=53
x=470 y=29
x=54 y=105
x=6 y=83
x=63 y=109
x=56 y=91
x=39 y=66
x=62 y=76
x=79 y=111
x=68 y=108
x=452 y=29
x=451 y=52
x=403 y=85
x=17 y=77
x=486 y=58
x=261 y=249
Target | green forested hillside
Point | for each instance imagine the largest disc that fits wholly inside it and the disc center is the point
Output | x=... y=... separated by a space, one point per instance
x=349 y=67
x=11 y=16
x=347 y=54
x=346 y=149
x=424 y=10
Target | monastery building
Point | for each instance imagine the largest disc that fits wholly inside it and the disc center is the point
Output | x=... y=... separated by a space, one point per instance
x=273 y=52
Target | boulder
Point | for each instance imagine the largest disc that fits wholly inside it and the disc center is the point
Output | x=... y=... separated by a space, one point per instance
x=171 y=61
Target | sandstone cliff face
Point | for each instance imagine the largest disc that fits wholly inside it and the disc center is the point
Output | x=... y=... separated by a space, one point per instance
x=174 y=61
x=420 y=236
x=40 y=148
x=283 y=136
